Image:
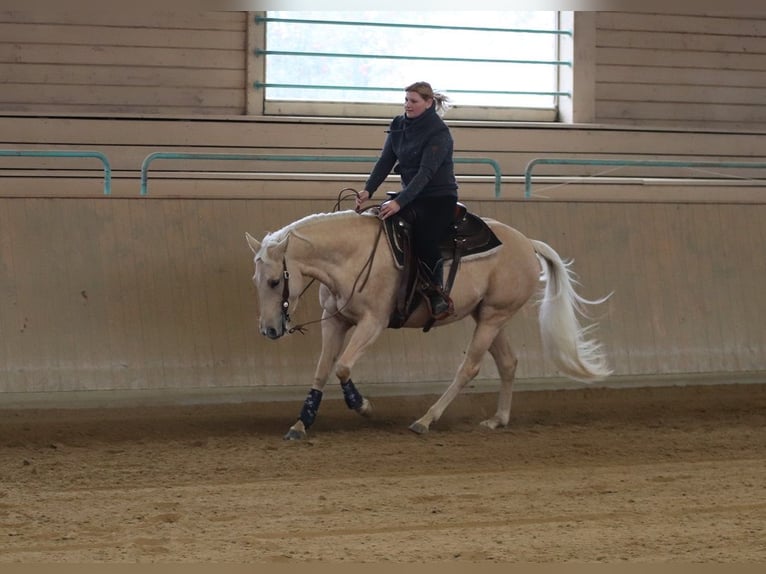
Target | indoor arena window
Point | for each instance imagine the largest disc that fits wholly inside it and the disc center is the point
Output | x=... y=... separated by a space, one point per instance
x=493 y=65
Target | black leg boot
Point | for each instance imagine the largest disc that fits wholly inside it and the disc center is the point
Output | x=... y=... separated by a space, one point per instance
x=439 y=303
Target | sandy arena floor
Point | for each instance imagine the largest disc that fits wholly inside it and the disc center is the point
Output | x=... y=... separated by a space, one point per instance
x=660 y=474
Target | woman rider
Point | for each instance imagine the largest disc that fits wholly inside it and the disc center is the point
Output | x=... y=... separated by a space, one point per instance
x=419 y=148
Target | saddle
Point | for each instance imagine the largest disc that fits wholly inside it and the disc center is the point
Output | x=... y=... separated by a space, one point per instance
x=469 y=235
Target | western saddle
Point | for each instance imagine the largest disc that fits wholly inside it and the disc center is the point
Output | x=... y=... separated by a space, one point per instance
x=469 y=235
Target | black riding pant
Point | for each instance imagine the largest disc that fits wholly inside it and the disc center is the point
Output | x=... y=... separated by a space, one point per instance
x=433 y=218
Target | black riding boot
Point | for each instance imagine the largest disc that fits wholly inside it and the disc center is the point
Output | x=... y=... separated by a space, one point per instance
x=440 y=305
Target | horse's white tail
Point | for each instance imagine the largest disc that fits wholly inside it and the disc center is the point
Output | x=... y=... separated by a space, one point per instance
x=565 y=341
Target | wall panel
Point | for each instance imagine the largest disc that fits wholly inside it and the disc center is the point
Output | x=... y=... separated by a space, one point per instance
x=127 y=141
x=155 y=295
x=690 y=70
x=189 y=63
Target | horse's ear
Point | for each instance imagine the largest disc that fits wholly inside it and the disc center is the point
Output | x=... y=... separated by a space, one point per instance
x=254 y=244
x=276 y=251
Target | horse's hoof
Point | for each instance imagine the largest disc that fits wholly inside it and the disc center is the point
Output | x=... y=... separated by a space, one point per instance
x=418 y=428
x=294 y=434
x=491 y=424
x=366 y=409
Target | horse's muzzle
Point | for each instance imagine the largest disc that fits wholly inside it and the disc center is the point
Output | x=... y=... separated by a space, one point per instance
x=272 y=333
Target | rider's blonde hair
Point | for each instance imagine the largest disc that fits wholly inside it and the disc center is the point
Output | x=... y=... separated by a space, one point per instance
x=426 y=92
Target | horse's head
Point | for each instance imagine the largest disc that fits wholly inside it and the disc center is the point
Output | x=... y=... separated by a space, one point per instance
x=278 y=289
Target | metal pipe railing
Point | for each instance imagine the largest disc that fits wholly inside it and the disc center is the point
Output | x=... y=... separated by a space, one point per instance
x=149 y=159
x=631 y=163
x=66 y=153
x=258 y=85
x=262 y=19
x=349 y=55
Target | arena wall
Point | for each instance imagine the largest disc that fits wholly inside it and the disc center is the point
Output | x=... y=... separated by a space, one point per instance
x=148 y=297
x=154 y=294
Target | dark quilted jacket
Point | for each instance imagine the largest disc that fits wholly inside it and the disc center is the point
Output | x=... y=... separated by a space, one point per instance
x=420 y=150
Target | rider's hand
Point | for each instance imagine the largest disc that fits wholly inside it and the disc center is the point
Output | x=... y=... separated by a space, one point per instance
x=361 y=197
x=388 y=209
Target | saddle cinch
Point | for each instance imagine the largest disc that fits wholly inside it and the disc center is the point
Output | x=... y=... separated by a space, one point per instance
x=469 y=235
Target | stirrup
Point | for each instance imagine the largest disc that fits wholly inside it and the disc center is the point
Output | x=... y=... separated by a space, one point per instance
x=443 y=307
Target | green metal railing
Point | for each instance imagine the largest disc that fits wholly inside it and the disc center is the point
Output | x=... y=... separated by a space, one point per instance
x=632 y=163
x=63 y=153
x=261 y=52
x=262 y=19
x=148 y=160
x=260 y=85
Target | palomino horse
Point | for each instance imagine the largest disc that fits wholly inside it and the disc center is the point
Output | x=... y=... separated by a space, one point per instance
x=358 y=282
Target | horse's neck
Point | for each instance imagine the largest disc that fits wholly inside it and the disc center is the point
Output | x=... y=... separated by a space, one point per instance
x=331 y=249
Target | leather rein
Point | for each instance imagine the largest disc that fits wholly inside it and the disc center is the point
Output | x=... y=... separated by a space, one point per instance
x=366 y=267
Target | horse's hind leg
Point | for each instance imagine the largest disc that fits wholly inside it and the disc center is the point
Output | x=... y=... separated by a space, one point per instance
x=506 y=361
x=483 y=336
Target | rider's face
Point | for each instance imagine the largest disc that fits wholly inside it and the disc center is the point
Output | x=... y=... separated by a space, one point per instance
x=415 y=104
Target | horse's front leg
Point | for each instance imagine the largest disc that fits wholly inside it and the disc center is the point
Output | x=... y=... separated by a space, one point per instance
x=334 y=332
x=365 y=334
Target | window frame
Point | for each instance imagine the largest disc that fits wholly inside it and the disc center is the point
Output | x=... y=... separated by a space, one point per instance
x=259 y=105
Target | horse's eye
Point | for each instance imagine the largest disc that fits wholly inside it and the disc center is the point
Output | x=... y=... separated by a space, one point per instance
x=272 y=283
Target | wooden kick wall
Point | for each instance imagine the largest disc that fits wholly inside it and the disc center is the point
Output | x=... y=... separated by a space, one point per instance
x=101 y=294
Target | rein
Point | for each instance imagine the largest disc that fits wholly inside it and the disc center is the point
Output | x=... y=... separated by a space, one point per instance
x=366 y=267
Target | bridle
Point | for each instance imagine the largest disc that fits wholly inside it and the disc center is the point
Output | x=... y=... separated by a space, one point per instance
x=285 y=304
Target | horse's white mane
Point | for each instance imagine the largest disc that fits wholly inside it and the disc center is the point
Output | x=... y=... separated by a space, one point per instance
x=276 y=237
